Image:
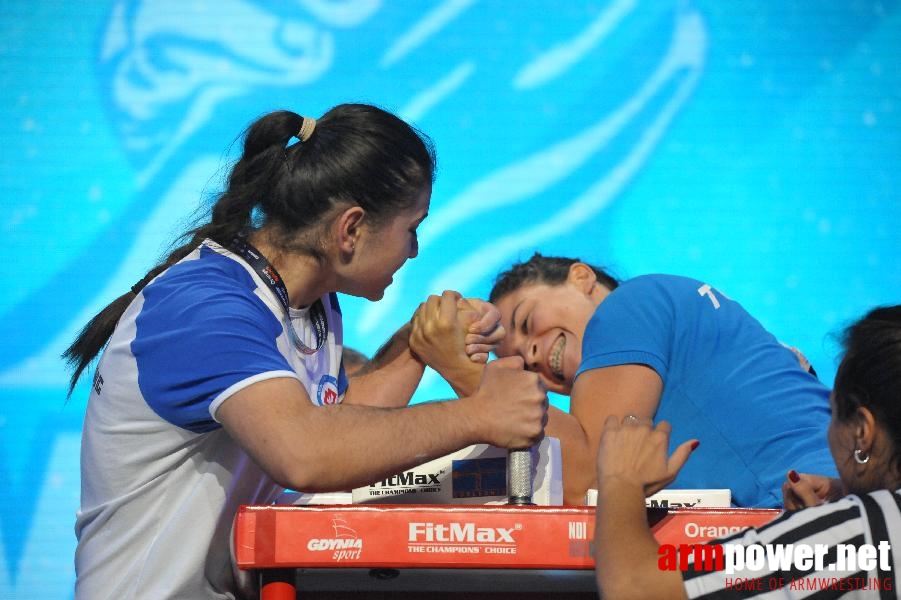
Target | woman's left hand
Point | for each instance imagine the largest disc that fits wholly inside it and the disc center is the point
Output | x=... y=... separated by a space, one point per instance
x=484 y=330
x=634 y=452
x=803 y=490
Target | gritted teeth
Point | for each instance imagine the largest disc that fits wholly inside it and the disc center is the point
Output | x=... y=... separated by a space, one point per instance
x=555 y=360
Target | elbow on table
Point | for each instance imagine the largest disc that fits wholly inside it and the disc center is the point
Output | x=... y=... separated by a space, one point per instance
x=307 y=473
x=574 y=494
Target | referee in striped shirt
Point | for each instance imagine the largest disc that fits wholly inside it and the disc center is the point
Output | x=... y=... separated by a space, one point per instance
x=837 y=538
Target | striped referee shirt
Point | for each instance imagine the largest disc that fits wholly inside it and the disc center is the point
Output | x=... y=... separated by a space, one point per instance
x=837 y=530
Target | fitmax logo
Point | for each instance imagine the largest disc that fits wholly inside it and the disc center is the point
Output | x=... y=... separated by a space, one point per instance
x=459 y=532
x=411 y=478
x=667 y=504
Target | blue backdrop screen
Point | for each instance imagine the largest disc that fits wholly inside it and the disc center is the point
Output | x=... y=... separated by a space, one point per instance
x=753 y=145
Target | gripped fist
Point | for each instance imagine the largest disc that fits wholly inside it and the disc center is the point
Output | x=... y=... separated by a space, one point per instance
x=512 y=404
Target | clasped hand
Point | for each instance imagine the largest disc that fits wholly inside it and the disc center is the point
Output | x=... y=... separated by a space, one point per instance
x=447 y=329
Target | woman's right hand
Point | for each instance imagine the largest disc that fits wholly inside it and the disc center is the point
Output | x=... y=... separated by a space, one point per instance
x=803 y=490
x=511 y=404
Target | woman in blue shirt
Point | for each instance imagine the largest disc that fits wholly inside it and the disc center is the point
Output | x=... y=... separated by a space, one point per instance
x=671 y=348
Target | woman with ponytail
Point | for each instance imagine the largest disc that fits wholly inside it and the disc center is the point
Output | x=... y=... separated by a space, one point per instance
x=220 y=380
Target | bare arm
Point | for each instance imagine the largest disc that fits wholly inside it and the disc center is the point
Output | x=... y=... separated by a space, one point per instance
x=390 y=377
x=596 y=395
x=311 y=448
x=631 y=464
x=575 y=452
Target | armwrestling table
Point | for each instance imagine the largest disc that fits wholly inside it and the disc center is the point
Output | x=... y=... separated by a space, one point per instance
x=445 y=551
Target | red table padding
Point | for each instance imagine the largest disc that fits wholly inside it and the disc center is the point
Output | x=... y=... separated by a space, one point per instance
x=438 y=536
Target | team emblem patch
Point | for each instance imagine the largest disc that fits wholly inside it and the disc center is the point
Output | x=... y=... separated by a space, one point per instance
x=327 y=392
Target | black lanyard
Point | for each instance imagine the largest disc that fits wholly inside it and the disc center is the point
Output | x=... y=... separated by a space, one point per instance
x=268 y=274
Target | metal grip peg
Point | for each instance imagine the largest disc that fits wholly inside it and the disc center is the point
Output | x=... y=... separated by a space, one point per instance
x=519 y=476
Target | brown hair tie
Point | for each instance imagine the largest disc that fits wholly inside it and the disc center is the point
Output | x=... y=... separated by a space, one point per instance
x=306 y=128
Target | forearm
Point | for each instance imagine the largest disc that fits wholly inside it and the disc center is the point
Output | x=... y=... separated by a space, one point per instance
x=626 y=552
x=577 y=455
x=390 y=377
x=335 y=447
x=464 y=377
x=383 y=442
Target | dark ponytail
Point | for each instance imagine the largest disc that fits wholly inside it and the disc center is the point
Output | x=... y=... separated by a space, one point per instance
x=354 y=154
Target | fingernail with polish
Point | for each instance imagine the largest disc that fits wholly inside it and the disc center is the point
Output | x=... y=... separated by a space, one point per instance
x=695 y=444
x=793 y=475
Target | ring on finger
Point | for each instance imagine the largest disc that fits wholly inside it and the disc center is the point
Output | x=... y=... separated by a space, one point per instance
x=631 y=420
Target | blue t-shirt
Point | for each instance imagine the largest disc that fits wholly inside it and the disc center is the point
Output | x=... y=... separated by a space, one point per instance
x=204 y=330
x=726 y=381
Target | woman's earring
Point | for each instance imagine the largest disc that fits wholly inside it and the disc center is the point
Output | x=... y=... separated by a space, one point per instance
x=861 y=457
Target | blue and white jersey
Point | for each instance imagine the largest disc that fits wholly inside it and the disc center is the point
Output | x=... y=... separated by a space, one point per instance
x=161 y=479
x=726 y=381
